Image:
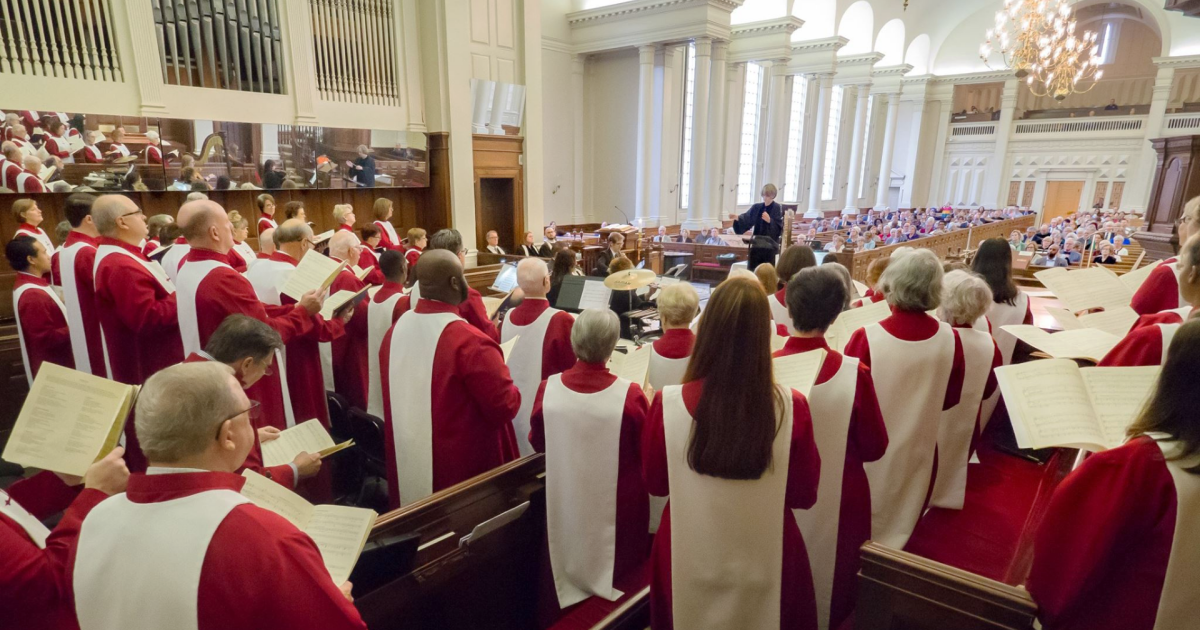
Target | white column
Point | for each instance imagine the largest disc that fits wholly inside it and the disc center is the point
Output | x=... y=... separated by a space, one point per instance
x=889 y=141
x=993 y=189
x=668 y=202
x=1137 y=191
x=577 y=67
x=145 y=57
x=777 y=125
x=734 y=102
x=941 y=118
x=645 y=138
x=303 y=68
x=700 y=105
x=818 y=150
x=714 y=165
x=858 y=145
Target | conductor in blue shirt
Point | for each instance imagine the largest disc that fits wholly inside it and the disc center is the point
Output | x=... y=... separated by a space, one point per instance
x=765 y=222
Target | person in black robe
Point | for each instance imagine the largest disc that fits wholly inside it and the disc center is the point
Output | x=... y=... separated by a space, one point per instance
x=765 y=221
x=362 y=170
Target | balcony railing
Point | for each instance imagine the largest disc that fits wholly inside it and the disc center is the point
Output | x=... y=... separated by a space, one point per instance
x=1124 y=123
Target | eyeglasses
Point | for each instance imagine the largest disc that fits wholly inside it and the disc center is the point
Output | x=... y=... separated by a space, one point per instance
x=129 y=214
x=255 y=412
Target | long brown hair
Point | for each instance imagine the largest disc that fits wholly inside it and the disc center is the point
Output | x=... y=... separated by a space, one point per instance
x=736 y=418
x=1172 y=407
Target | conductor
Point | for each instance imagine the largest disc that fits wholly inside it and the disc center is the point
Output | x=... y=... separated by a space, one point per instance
x=765 y=223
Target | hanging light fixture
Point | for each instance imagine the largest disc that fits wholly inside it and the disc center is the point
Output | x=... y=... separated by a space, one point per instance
x=1036 y=40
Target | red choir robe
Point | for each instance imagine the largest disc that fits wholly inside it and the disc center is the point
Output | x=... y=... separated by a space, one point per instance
x=283 y=474
x=798 y=604
x=42 y=325
x=265 y=222
x=476 y=315
x=368 y=260
x=37 y=233
x=9 y=171
x=345 y=228
x=913 y=327
x=260 y=571
x=350 y=375
x=84 y=291
x=91 y=154
x=1160 y=291
x=870 y=298
x=58 y=147
x=411 y=257
x=151 y=245
x=27 y=182
x=34 y=584
x=386 y=230
x=867 y=442
x=1143 y=344
x=557 y=353
x=31 y=120
x=675 y=343
x=1100 y=556
x=633 y=507
x=236 y=261
x=224 y=292
x=154 y=155
x=473 y=401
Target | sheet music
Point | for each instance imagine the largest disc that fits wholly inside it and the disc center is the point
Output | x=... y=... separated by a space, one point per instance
x=1118 y=395
x=340 y=533
x=1086 y=343
x=306 y=437
x=269 y=495
x=338 y=300
x=838 y=335
x=322 y=237
x=1049 y=405
x=1115 y=321
x=633 y=366
x=1134 y=279
x=68 y=421
x=777 y=342
x=75 y=144
x=1066 y=319
x=1095 y=287
x=595 y=295
x=314 y=272
x=507 y=347
x=798 y=371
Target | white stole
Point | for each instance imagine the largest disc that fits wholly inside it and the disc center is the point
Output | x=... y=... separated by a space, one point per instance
x=390 y=230
x=726 y=535
x=1180 y=598
x=115 y=586
x=958 y=424
x=910 y=380
x=583 y=447
x=525 y=365
x=38 y=235
x=1177 y=270
x=21 y=331
x=26 y=521
x=173 y=259
x=1004 y=314
x=1168 y=333
x=247 y=253
x=104 y=250
x=70 y=288
x=267 y=277
x=188 y=282
x=832 y=404
x=664 y=371
x=779 y=313
x=414 y=344
x=379 y=322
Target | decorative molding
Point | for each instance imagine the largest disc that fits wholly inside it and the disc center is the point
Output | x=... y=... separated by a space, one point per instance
x=892 y=71
x=918 y=79
x=868 y=59
x=991 y=76
x=789 y=25
x=557 y=45
x=828 y=44
x=1189 y=61
x=625 y=10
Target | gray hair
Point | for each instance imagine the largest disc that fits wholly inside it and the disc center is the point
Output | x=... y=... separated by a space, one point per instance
x=966 y=298
x=844 y=275
x=594 y=335
x=531 y=274
x=340 y=210
x=913 y=282
x=105 y=212
x=678 y=304
x=291 y=233
x=341 y=244
x=180 y=408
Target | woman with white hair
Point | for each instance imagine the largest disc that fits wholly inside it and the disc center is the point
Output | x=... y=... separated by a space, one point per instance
x=154 y=152
x=966 y=298
x=918 y=366
x=678 y=305
x=589 y=422
x=343 y=213
x=241 y=255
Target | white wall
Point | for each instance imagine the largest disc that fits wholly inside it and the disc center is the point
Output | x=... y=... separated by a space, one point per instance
x=559 y=146
x=610 y=118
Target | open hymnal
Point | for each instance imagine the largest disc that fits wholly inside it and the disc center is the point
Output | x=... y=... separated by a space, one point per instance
x=1094 y=287
x=798 y=371
x=492 y=304
x=1056 y=403
x=306 y=437
x=1114 y=321
x=75 y=144
x=159 y=251
x=777 y=342
x=838 y=334
x=1090 y=344
x=337 y=303
x=360 y=272
x=1134 y=279
x=315 y=272
x=47 y=172
x=69 y=420
x=317 y=239
x=339 y=531
x=633 y=366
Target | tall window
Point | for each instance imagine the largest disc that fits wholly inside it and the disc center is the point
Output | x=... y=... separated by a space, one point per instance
x=862 y=171
x=791 y=179
x=685 y=177
x=1108 y=47
x=749 y=145
x=831 y=141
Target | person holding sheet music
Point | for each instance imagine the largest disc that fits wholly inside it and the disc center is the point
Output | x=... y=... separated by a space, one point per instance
x=589 y=423
x=350 y=375
x=448 y=398
x=918 y=366
x=735 y=453
x=116 y=146
x=383 y=309
x=543 y=346
x=849 y=430
x=1119 y=545
x=74 y=273
x=1010 y=305
x=1160 y=292
x=41 y=317
x=33 y=580
x=182 y=540
x=388 y=238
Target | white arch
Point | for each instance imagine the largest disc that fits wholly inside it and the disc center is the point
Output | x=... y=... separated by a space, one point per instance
x=917 y=55
x=890 y=42
x=858 y=26
x=819 y=18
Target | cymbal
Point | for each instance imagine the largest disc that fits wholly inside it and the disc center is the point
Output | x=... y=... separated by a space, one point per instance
x=630 y=280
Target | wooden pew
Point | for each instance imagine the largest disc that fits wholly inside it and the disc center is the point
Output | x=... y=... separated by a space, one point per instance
x=634 y=614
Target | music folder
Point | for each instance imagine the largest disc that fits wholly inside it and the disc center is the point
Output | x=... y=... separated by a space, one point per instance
x=493 y=524
x=580 y=292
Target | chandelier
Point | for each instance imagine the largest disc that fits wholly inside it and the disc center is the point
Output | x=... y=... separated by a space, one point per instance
x=1037 y=40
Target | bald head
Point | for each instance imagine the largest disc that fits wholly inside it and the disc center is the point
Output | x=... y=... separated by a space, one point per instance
x=441 y=277
x=533 y=276
x=116 y=216
x=343 y=245
x=293 y=237
x=266 y=241
x=206 y=225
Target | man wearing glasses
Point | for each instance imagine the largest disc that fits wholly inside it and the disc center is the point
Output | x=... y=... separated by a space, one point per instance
x=182 y=540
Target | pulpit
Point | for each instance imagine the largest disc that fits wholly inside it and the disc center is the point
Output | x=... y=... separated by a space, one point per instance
x=1176 y=180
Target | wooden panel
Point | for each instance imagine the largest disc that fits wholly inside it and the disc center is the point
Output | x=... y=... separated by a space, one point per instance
x=13 y=384
x=498 y=157
x=1014 y=191
x=1062 y=199
x=1027 y=195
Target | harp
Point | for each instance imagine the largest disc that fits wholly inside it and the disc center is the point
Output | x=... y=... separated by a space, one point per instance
x=213 y=150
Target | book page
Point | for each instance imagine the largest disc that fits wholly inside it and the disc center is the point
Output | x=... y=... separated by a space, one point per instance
x=67 y=420
x=595 y=295
x=1086 y=343
x=1049 y=405
x=798 y=371
x=306 y=437
x=269 y=495
x=838 y=335
x=507 y=347
x=1114 y=321
x=360 y=272
x=340 y=532
x=777 y=343
x=75 y=144
x=1095 y=287
x=317 y=239
x=314 y=272
x=1118 y=395
x=633 y=366
x=335 y=302
x=1136 y=278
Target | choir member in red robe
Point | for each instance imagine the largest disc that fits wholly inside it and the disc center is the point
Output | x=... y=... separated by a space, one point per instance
x=157 y=228
x=918 y=366
x=678 y=305
x=791 y=261
x=116 y=145
x=1119 y=544
x=1160 y=291
x=350 y=375
x=90 y=153
x=874 y=272
x=446 y=391
x=388 y=238
x=736 y=455
x=75 y=274
x=10 y=165
x=34 y=583
x=266 y=244
x=41 y=316
x=266 y=216
x=842 y=398
x=589 y=423
x=472 y=309
x=1010 y=305
x=385 y=307
x=56 y=141
x=343 y=214
x=248 y=568
x=29 y=216
x=249 y=347
x=368 y=257
x=543 y=347
x=417 y=240
x=1147 y=343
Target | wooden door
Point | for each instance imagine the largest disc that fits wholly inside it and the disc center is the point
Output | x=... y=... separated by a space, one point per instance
x=1062 y=198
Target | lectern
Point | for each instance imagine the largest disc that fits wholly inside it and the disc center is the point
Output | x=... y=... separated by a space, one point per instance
x=1176 y=179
